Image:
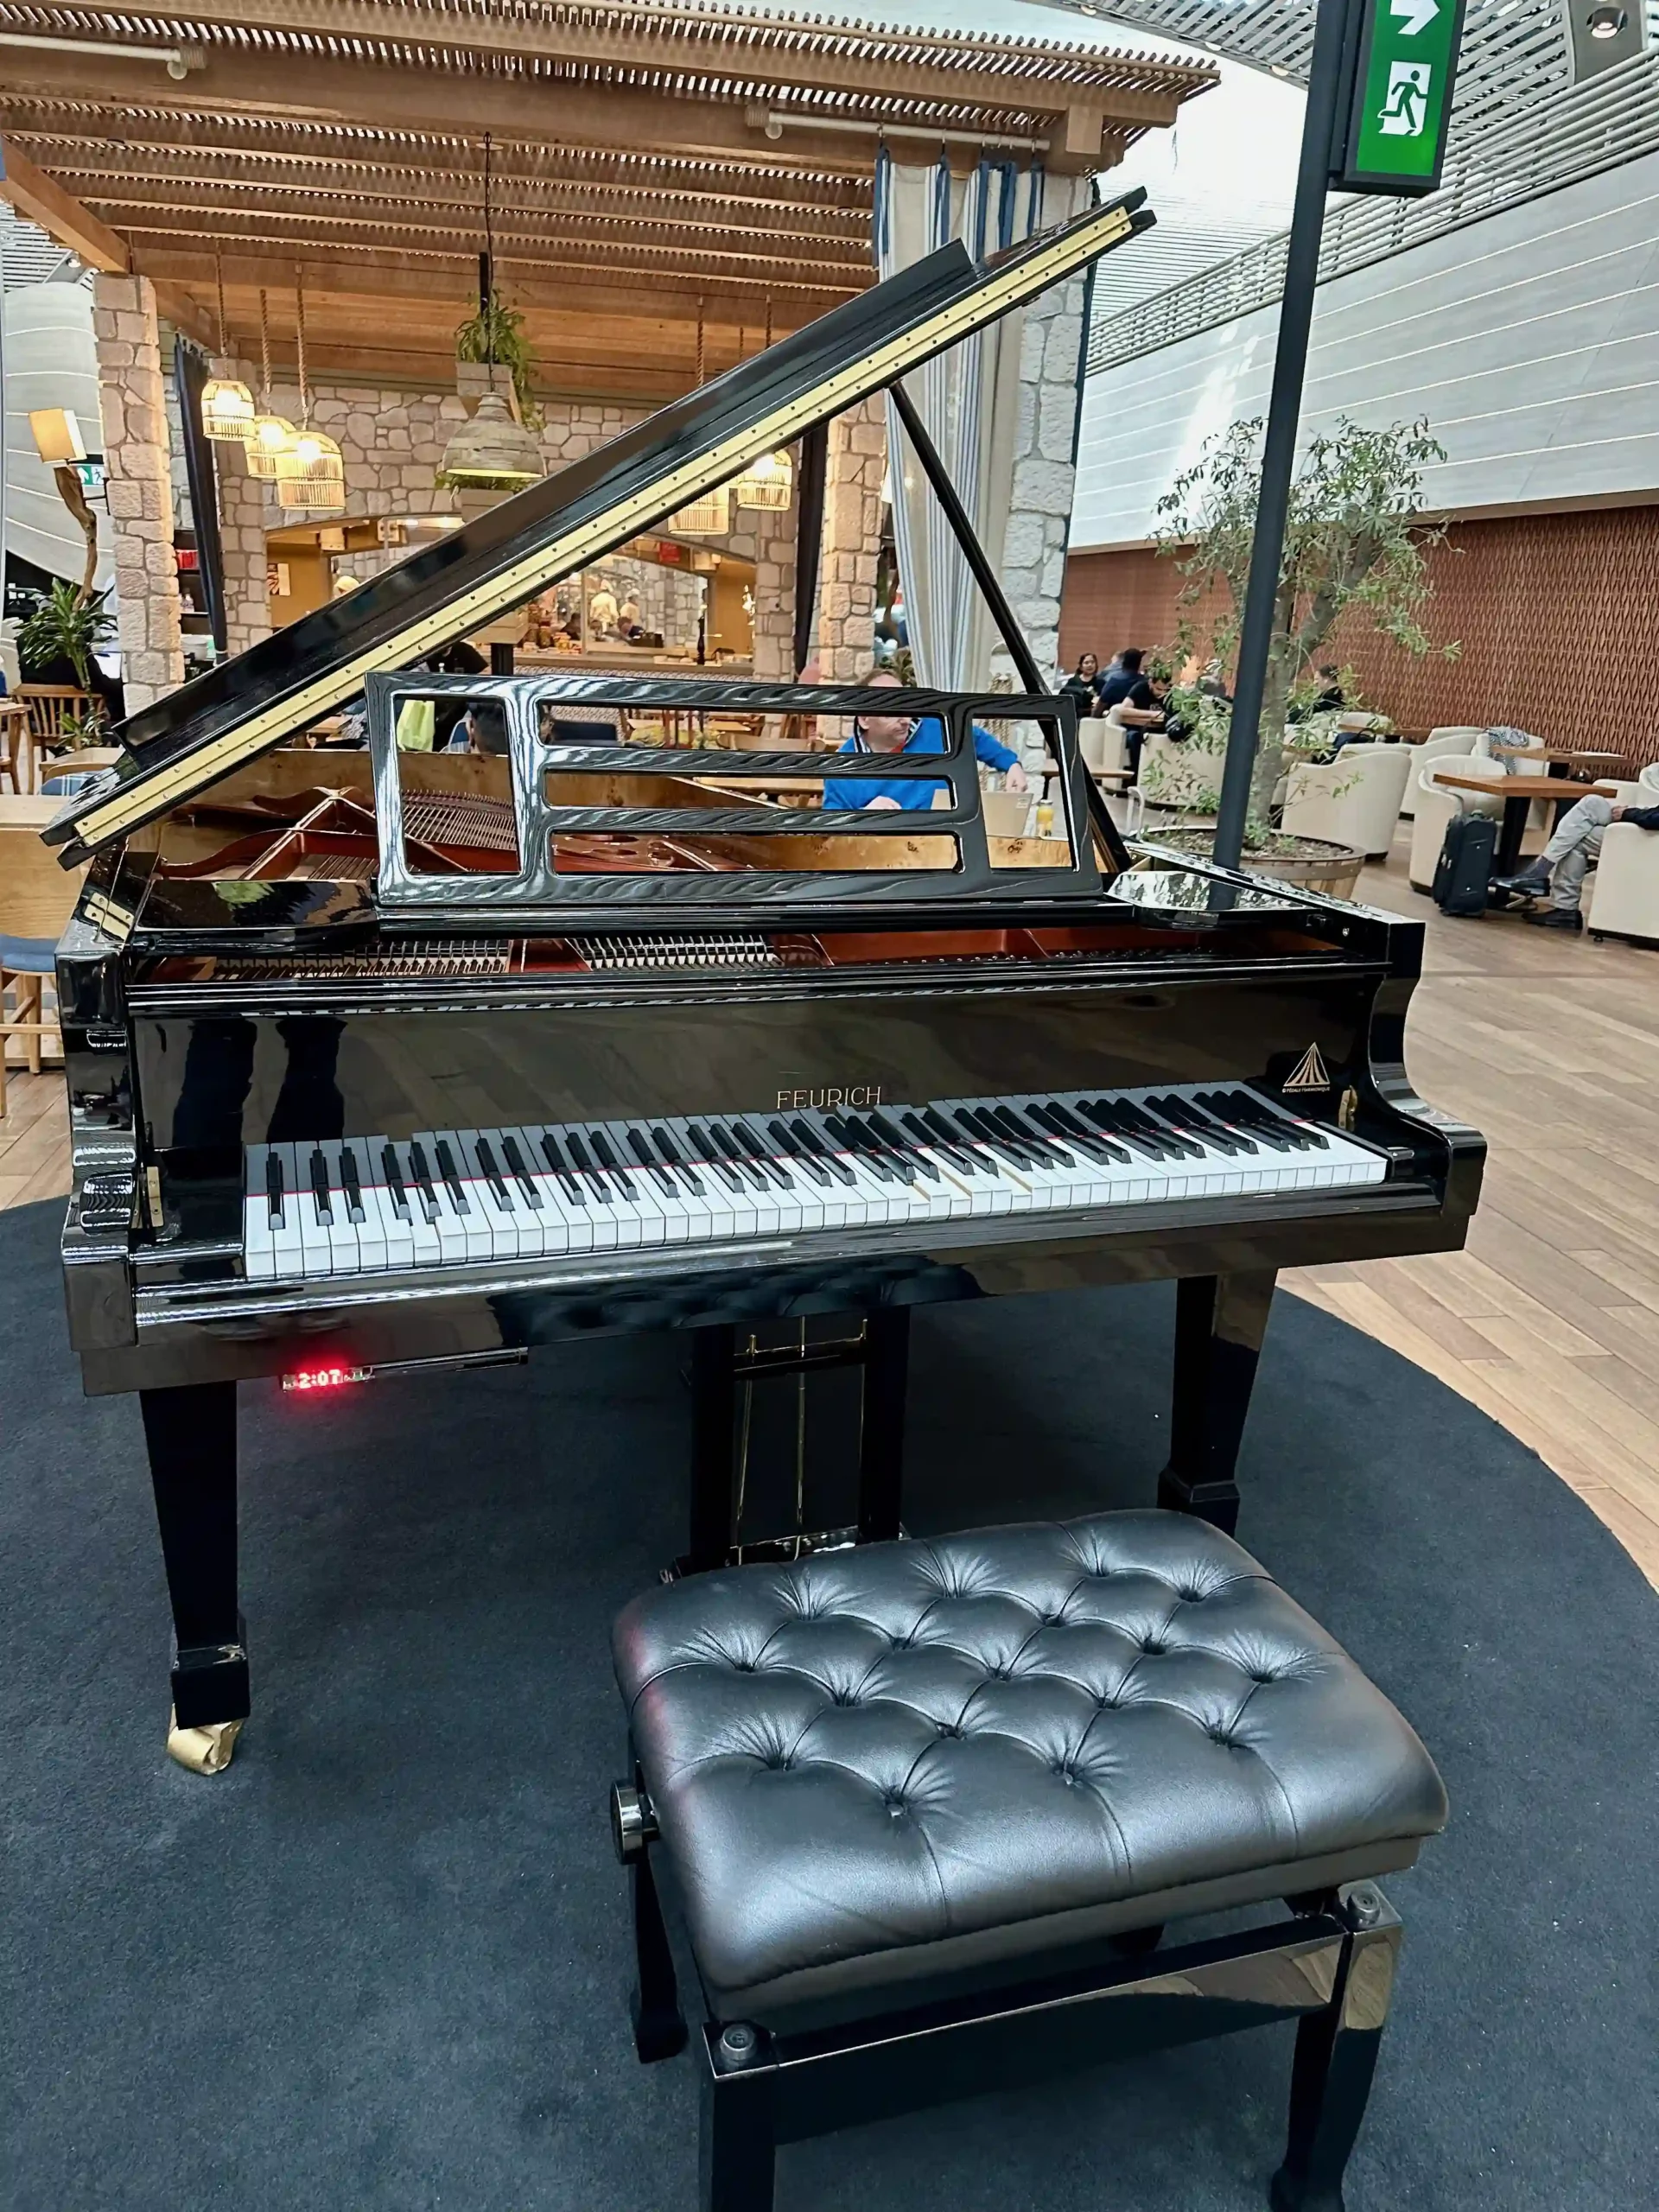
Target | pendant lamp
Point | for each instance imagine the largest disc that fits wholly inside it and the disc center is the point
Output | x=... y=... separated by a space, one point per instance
x=767 y=482
x=310 y=472
x=226 y=403
x=492 y=451
x=268 y=436
x=709 y=515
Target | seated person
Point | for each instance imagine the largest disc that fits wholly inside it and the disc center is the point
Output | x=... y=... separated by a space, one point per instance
x=1558 y=871
x=905 y=733
x=1120 y=678
x=1083 y=685
x=1141 y=709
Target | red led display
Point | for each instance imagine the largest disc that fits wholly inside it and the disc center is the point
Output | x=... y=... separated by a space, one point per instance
x=324 y=1378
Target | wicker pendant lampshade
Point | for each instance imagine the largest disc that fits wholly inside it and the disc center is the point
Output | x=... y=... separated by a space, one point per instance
x=710 y=514
x=708 y=517
x=268 y=436
x=226 y=408
x=226 y=403
x=767 y=482
x=490 y=451
x=310 y=472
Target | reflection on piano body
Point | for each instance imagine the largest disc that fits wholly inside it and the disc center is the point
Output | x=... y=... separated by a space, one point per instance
x=385 y=1058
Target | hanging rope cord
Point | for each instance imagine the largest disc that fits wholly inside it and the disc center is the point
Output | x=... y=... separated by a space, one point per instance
x=219 y=279
x=264 y=350
x=299 y=350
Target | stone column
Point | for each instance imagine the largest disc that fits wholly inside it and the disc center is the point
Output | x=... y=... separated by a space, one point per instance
x=774 y=530
x=243 y=523
x=133 y=401
x=855 y=467
x=1045 y=473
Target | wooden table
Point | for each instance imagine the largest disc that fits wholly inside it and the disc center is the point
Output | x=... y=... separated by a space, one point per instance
x=1517 y=794
x=28 y=812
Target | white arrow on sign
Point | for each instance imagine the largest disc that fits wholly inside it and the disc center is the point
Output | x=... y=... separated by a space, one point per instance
x=1415 y=15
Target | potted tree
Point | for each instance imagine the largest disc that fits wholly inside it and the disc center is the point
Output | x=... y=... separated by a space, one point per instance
x=1351 y=550
x=67 y=627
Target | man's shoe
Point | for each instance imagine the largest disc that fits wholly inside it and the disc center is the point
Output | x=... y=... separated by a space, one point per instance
x=1557 y=918
x=1531 y=883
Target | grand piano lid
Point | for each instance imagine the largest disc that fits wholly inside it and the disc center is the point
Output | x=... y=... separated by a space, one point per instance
x=196 y=735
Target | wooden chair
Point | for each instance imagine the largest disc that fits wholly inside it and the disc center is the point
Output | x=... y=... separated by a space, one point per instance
x=36 y=900
x=14 y=740
x=50 y=705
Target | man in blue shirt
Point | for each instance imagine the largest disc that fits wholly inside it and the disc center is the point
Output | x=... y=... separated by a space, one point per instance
x=904 y=734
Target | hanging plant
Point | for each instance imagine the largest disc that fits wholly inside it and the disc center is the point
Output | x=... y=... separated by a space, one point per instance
x=495 y=335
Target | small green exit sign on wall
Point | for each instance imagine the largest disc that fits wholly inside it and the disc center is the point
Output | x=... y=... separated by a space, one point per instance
x=1402 y=60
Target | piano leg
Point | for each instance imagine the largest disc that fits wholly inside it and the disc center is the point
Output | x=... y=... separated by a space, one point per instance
x=190 y=1433
x=882 y=1441
x=713 y=1405
x=1220 y=1321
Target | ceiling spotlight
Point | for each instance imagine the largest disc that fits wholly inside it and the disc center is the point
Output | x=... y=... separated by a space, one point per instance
x=1606 y=21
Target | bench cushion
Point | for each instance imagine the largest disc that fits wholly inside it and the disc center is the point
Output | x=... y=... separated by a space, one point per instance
x=886 y=1774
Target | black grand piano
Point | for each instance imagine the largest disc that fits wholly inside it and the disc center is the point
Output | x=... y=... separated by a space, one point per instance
x=381 y=1060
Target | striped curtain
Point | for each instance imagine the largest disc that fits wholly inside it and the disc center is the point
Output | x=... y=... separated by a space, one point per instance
x=969 y=399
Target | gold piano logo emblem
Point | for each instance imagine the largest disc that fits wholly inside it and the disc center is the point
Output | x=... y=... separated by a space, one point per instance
x=1308 y=1074
x=832 y=1095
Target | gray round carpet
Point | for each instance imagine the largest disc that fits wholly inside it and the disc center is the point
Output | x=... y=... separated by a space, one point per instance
x=383 y=1963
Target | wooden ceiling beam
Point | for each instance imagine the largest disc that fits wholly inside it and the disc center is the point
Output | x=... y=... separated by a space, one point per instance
x=101 y=177
x=317 y=89
x=764 y=257
x=43 y=201
x=888 y=66
x=368 y=278
x=54 y=133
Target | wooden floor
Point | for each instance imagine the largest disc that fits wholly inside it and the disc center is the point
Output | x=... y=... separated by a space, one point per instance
x=1549 y=1322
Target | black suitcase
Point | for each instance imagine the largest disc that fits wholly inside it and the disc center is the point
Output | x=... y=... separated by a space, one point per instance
x=1463 y=873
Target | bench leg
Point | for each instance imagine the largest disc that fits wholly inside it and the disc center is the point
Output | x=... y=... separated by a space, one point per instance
x=659 y=2024
x=1220 y=1321
x=738 y=2144
x=190 y=1433
x=1336 y=2057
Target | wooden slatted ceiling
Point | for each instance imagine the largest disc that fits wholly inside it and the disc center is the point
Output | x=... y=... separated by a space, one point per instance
x=642 y=178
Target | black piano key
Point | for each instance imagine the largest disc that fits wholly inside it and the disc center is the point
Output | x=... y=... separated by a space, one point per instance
x=1135 y=1130
x=350 y=1184
x=1260 y=1120
x=392 y=1174
x=593 y=1173
x=962 y=1160
x=1048 y=1149
x=493 y=1174
x=1219 y=1108
x=1180 y=1116
x=638 y=1145
x=1063 y=1120
x=451 y=1175
x=670 y=1152
x=876 y=1150
x=420 y=1169
x=802 y=1161
x=815 y=1144
x=894 y=1140
x=712 y=1156
x=743 y=1142
x=274 y=1189
x=567 y=1183
x=1081 y=1144
x=520 y=1173
x=320 y=1195
x=986 y=1133
x=853 y=1140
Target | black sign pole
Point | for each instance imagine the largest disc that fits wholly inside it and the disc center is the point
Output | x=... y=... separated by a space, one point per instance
x=1326 y=84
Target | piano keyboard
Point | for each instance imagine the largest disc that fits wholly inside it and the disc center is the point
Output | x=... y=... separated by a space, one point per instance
x=366 y=1205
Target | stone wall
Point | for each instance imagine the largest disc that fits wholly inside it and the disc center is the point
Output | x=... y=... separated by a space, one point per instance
x=1045 y=473
x=855 y=468
x=133 y=401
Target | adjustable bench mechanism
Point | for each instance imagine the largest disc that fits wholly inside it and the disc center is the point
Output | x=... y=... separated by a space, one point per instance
x=1329 y=1965
x=723 y=1378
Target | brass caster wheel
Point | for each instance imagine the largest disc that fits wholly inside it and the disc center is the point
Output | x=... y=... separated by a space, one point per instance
x=204 y=1751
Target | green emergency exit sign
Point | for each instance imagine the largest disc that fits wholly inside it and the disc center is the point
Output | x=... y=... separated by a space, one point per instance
x=1402 y=59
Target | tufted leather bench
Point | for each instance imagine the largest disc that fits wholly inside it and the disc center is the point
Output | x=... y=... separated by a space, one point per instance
x=931 y=1795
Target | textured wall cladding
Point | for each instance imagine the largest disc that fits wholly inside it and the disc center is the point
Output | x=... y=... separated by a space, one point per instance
x=1554 y=614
